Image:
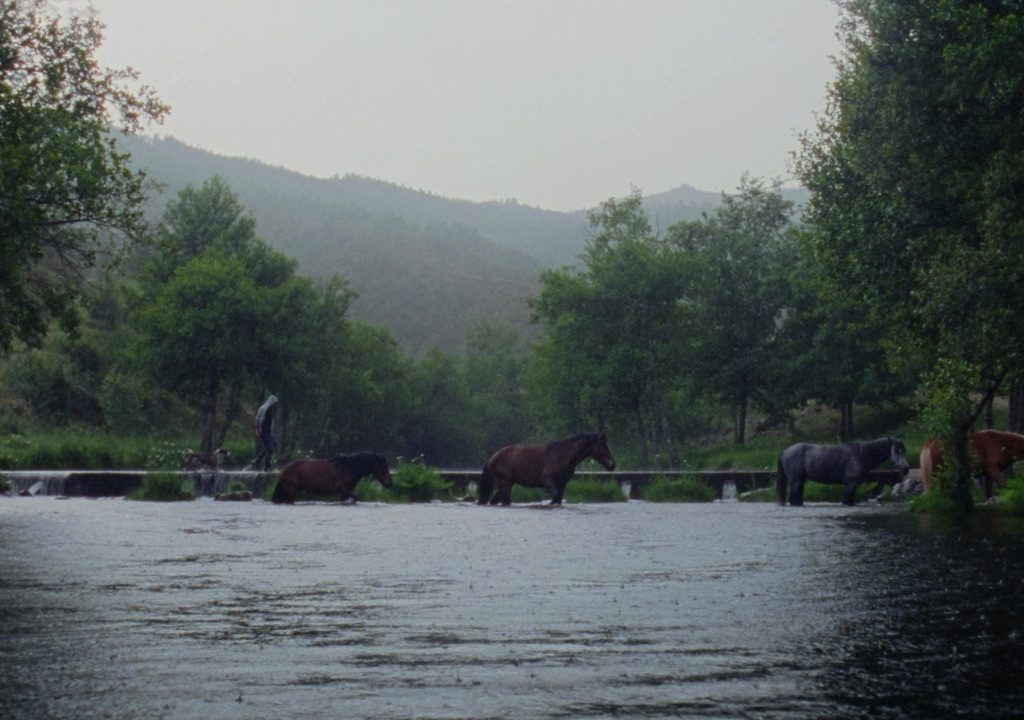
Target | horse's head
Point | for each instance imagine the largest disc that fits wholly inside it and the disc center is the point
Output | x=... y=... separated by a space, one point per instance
x=602 y=453
x=898 y=455
x=380 y=470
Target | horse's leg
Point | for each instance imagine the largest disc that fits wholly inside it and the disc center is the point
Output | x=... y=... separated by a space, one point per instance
x=796 y=489
x=502 y=491
x=781 y=487
x=554 y=489
x=556 y=499
x=850 y=491
x=348 y=491
x=992 y=475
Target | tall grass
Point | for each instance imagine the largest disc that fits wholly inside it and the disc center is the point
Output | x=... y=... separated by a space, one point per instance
x=682 y=489
x=164 y=487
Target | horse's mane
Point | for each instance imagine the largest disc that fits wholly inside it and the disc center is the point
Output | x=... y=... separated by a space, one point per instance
x=360 y=462
x=573 y=439
x=578 y=442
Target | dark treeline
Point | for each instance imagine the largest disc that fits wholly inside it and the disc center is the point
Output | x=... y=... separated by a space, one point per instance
x=653 y=337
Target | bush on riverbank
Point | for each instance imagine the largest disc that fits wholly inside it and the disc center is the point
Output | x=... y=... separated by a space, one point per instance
x=410 y=483
x=164 y=487
x=1011 y=499
x=683 y=489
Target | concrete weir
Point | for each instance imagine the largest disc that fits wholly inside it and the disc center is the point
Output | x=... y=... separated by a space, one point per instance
x=115 y=483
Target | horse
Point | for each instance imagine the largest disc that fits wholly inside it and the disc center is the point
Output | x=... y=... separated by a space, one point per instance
x=338 y=475
x=548 y=466
x=992 y=452
x=847 y=464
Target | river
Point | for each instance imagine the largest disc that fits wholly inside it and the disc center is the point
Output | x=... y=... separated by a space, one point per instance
x=116 y=609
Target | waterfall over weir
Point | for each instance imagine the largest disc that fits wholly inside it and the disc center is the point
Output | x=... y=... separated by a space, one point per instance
x=115 y=483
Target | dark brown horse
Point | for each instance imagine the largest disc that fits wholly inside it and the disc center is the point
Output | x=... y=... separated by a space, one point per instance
x=992 y=452
x=337 y=476
x=547 y=466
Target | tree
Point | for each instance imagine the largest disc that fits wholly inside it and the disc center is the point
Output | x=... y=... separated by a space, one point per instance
x=916 y=169
x=202 y=336
x=493 y=365
x=68 y=198
x=739 y=262
x=611 y=330
x=221 y=312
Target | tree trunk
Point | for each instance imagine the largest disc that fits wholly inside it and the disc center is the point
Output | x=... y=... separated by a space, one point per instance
x=961 y=490
x=739 y=421
x=1014 y=421
x=641 y=432
x=989 y=414
x=209 y=413
x=846 y=419
x=666 y=431
x=661 y=415
x=231 y=411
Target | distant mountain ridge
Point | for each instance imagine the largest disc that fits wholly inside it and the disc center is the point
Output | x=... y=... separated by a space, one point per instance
x=426 y=267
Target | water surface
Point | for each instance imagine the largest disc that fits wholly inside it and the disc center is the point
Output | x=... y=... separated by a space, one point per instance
x=630 y=610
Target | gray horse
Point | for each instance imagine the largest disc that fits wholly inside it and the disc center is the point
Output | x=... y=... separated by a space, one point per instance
x=847 y=464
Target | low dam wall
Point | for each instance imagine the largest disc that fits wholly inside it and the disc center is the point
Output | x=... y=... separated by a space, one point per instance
x=114 y=483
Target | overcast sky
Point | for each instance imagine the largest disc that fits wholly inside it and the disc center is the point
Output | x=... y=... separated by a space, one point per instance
x=556 y=103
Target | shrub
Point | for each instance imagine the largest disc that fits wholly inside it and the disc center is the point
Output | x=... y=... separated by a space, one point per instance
x=416 y=482
x=164 y=487
x=683 y=489
x=1011 y=499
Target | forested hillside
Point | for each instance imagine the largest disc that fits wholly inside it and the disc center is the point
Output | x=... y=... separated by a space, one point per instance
x=426 y=267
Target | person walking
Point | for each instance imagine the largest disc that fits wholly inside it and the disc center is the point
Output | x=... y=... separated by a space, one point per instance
x=263 y=427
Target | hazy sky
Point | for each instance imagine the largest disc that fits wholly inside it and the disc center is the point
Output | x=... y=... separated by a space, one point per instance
x=557 y=103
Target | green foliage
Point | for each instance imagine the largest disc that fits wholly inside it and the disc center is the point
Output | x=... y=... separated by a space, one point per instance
x=69 y=197
x=682 y=489
x=164 y=487
x=68 y=448
x=1011 y=498
x=415 y=482
x=916 y=168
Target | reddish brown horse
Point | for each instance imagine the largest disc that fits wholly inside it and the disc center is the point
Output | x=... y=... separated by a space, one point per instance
x=337 y=476
x=547 y=466
x=992 y=452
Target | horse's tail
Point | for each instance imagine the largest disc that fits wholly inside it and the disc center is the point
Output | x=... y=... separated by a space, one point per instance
x=484 y=487
x=781 y=483
x=280 y=494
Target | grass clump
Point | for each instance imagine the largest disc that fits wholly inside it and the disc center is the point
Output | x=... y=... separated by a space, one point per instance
x=164 y=487
x=682 y=489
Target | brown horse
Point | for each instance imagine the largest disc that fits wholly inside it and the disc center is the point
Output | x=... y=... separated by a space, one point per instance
x=547 y=466
x=337 y=476
x=992 y=452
